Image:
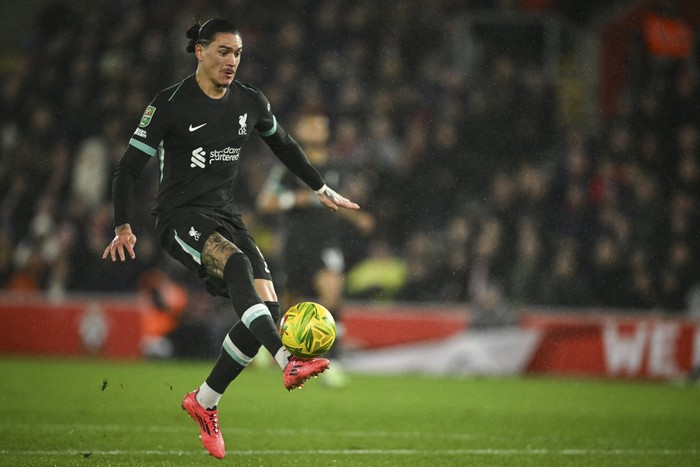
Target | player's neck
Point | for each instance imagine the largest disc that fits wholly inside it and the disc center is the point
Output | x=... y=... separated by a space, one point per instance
x=208 y=87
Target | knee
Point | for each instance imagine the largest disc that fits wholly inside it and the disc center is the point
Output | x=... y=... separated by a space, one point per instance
x=329 y=283
x=266 y=290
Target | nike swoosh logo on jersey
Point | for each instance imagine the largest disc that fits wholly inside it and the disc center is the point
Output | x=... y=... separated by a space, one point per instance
x=195 y=128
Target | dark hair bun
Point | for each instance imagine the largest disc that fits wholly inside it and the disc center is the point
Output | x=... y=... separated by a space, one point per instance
x=192 y=36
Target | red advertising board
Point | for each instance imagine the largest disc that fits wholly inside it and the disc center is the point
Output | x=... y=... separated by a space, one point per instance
x=614 y=346
x=583 y=344
x=374 y=326
x=110 y=328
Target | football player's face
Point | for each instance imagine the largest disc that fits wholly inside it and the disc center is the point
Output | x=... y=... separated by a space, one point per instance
x=220 y=58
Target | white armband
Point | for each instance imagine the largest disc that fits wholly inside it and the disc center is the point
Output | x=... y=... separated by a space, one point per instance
x=322 y=189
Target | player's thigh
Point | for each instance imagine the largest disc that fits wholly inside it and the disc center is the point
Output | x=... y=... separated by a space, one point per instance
x=215 y=254
x=244 y=242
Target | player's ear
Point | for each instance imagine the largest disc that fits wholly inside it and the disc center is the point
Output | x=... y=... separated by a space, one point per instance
x=198 y=51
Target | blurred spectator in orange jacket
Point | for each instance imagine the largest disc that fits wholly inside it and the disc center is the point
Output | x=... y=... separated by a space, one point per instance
x=166 y=300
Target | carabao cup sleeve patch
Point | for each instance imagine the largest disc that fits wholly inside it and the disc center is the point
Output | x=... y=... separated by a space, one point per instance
x=147 y=116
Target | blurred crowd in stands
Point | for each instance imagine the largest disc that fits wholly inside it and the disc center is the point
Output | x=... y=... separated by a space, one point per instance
x=481 y=193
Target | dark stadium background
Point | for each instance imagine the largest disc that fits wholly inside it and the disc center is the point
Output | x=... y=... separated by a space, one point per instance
x=534 y=156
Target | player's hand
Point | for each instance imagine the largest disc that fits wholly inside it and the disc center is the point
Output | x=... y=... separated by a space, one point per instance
x=332 y=200
x=124 y=239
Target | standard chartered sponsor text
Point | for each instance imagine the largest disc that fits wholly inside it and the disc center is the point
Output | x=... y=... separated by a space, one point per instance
x=228 y=154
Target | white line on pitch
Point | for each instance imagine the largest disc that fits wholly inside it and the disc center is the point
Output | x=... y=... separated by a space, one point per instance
x=185 y=428
x=360 y=452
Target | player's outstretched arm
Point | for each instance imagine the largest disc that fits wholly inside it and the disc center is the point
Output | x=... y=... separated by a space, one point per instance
x=332 y=200
x=124 y=239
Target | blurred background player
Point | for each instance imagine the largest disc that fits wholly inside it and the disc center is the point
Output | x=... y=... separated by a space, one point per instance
x=312 y=259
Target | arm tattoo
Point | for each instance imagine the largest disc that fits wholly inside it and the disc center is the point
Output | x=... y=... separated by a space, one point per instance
x=216 y=252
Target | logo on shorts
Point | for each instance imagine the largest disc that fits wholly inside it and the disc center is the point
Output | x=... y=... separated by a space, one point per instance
x=267 y=269
x=242 y=122
x=147 y=116
x=195 y=234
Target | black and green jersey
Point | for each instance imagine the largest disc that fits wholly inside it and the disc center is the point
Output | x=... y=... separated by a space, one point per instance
x=197 y=142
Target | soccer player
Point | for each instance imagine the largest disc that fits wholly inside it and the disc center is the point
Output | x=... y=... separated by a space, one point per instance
x=196 y=130
x=313 y=262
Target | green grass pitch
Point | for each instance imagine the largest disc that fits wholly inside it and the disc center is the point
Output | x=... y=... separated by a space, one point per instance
x=96 y=412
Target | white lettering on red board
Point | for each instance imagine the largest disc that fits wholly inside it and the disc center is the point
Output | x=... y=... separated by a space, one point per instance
x=695 y=361
x=662 y=350
x=625 y=350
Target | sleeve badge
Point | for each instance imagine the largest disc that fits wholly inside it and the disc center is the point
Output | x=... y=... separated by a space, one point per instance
x=147 y=116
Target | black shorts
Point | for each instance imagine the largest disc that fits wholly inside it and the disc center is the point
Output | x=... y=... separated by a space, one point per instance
x=182 y=236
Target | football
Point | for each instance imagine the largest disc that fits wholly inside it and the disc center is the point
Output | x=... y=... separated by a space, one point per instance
x=307 y=330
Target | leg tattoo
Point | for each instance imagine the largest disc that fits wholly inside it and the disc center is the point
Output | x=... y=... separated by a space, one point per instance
x=216 y=253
